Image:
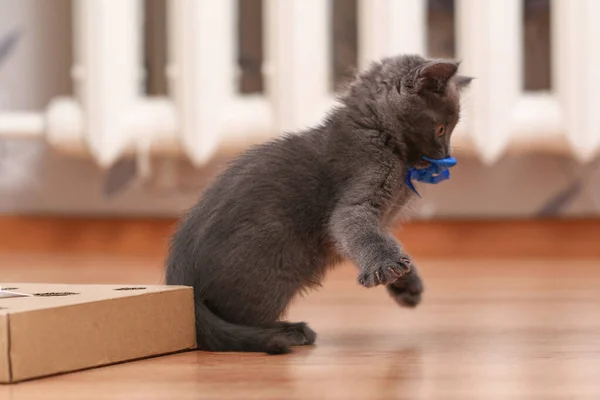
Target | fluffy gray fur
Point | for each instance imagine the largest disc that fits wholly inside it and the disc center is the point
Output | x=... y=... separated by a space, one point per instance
x=286 y=211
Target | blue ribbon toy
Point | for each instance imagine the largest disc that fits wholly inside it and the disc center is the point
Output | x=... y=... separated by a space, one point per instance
x=437 y=171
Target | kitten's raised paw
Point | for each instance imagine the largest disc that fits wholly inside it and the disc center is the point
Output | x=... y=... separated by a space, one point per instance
x=384 y=275
x=407 y=290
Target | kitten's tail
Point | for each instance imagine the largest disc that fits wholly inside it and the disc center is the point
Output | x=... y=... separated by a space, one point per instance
x=215 y=334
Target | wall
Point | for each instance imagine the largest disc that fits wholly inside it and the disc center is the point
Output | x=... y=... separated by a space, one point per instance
x=35 y=179
x=35 y=72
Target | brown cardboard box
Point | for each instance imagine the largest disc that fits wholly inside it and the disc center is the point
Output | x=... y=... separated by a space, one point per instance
x=63 y=328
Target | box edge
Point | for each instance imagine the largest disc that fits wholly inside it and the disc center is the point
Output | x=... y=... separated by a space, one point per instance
x=8 y=378
x=176 y=288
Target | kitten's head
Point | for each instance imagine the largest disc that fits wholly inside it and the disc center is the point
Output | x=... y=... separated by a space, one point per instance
x=415 y=99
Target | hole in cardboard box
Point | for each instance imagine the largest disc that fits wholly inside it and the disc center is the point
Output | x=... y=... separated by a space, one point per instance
x=55 y=294
x=9 y=288
x=131 y=288
x=3 y=308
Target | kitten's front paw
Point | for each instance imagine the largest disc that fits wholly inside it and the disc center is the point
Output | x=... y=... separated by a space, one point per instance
x=385 y=274
x=407 y=290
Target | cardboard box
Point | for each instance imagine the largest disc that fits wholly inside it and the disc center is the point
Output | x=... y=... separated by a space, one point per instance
x=48 y=329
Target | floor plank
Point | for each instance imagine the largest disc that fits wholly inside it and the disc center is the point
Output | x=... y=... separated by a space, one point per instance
x=487 y=329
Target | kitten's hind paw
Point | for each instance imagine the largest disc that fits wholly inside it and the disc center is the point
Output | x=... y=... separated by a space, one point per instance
x=384 y=275
x=299 y=332
x=278 y=344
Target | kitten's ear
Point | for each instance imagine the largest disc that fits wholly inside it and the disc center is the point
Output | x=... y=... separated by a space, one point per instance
x=462 y=82
x=434 y=75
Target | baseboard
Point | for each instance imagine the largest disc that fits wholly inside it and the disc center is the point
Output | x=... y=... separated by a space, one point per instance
x=572 y=238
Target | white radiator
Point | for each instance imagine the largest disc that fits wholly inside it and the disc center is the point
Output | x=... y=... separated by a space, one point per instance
x=109 y=115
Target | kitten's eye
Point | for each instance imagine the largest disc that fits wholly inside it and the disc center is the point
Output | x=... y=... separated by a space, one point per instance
x=440 y=130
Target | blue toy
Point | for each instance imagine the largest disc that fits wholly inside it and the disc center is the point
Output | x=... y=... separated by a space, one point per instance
x=435 y=172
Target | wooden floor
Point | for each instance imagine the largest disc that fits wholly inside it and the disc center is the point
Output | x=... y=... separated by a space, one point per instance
x=488 y=329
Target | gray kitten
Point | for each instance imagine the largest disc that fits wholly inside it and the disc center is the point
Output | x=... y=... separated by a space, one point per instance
x=286 y=211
